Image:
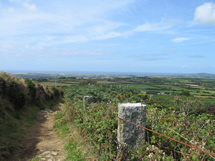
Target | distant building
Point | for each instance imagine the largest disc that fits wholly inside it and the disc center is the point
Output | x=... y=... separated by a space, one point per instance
x=162 y=93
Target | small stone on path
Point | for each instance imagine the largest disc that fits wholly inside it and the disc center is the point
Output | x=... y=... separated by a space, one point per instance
x=54 y=153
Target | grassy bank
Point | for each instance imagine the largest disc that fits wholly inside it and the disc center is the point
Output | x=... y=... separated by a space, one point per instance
x=20 y=100
x=77 y=148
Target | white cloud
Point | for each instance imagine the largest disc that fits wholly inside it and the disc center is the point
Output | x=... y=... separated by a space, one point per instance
x=39 y=51
x=205 y=14
x=151 y=27
x=75 y=18
x=30 y=7
x=48 y=26
x=180 y=39
x=108 y=35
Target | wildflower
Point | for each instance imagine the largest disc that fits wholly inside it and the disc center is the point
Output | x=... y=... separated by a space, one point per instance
x=171 y=108
x=143 y=95
x=120 y=96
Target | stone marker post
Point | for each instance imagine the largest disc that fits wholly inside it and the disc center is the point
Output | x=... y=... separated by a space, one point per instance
x=128 y=133
x=89 y=99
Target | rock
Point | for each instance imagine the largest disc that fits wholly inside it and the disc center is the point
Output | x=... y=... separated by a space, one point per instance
x=54 y=153
x=46 y=153
x=128 y=133
x=46 y=110
x=49 y=156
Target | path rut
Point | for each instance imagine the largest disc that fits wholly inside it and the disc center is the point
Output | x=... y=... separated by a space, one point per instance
x=41 y=141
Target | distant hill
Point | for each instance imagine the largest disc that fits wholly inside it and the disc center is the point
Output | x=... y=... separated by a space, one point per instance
x=197 y=75
x=102 y=76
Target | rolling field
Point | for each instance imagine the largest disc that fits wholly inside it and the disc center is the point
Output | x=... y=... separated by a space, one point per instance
x=151 y=85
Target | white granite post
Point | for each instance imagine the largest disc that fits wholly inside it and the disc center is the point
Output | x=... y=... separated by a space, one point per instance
x=128 y=133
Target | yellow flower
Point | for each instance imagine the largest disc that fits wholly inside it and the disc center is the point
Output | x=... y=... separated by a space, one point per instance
x=119 y=95
x=171 y=108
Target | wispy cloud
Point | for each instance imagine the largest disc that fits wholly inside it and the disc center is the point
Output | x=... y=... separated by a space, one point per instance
x=151 y=27
x=41 y=52
x=205 y=14
x=180 y=39
x=30 y=7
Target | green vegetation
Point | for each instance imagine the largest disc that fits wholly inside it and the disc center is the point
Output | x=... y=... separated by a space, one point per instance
x=73 y=146
x=87 y=82
x=20 y=100
x=180 y=108
x=185 y=93
x=177 y=115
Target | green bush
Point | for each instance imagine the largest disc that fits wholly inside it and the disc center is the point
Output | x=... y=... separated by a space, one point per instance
x=185 y=93
x=186 y=128
x=31 y=87
x=3 y=86
x=16 y=97
x=55 y=92
x=98 y=124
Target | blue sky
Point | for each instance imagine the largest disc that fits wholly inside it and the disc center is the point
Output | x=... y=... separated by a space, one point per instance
x=162 y=36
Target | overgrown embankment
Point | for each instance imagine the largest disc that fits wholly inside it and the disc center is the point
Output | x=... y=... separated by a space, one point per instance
x=20 y=100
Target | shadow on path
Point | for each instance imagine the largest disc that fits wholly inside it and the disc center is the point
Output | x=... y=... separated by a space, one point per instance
x=40 y=140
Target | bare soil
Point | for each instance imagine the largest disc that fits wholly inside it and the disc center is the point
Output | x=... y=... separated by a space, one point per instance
x=40 y=141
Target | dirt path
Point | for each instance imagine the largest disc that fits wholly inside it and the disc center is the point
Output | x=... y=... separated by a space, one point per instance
x=41 y=141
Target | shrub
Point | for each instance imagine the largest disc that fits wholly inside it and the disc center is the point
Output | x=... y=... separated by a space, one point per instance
x=31 y=87
x=185 y=93
x=56 y=92
x=3 y=86
x=17 y=98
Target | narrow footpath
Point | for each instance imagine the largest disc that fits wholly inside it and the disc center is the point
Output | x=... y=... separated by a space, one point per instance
x=41 y=143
